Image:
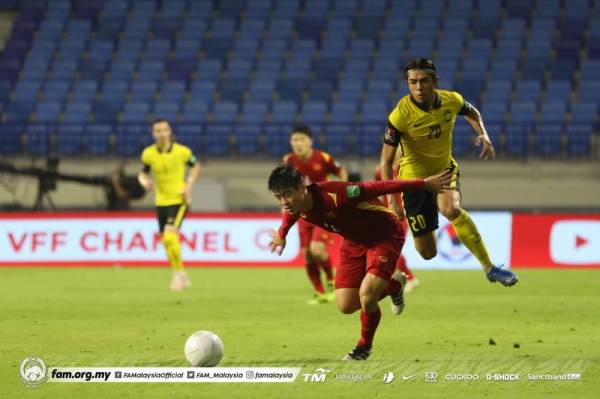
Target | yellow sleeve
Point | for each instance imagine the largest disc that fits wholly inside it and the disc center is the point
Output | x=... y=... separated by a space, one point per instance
x=145 y=158
x=187 y=154
x=459 y=100
x=397 y=120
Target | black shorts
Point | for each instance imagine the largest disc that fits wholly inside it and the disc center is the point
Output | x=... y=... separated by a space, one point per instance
x=171 y=214
x=421 y=207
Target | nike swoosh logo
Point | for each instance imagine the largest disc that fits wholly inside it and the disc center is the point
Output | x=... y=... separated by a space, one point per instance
x=407 y=377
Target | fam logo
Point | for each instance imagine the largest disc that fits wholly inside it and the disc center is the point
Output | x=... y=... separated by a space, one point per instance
x=318 y=375
x=450 y=247
x=33 y=371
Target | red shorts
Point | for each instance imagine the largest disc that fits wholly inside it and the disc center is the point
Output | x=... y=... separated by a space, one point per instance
x=356 y=260
x=309 y=233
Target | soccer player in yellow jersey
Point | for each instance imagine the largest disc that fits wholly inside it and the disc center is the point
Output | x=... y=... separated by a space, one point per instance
x=422 y=124
x=168 y=160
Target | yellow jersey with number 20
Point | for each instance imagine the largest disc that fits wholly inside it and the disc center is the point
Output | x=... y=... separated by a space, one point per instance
x=426 y=135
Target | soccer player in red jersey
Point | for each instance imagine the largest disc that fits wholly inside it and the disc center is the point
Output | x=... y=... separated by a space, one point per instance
x=373 y=238
x=411 y=281
x=315 y=166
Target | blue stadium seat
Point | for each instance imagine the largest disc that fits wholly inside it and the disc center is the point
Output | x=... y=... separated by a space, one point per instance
x=337 y=138
x=344 y=112
x=314 y=112
x=48 y=112
x=248 y=139
x=553 y=111
x=579 y=139
x=135 y=112
x=38 y=139
x=369 y=139
x=217 y=139
x=10 y=138
x=517 y=140
x=98 y=139
x=190 y=135
x=277 y=139
x=320 y=90
x=69 y=139
x=462 y=138
x=130 y=139
x=195 y=112
x=78 y=112
x=374 y=111
x=528 y=90
x=224 y=111
x=168 y=110
x=254 y=113
x=584 y=112
x=548 y=139
x=284 y=112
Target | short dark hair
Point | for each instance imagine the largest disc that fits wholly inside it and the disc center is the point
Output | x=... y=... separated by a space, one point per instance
x=160 y=120
x=284 y=177
x=303 y=129
x=424 y=64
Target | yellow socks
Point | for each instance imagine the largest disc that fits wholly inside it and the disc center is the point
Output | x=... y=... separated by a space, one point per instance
x=466 y=230
x=172 y=245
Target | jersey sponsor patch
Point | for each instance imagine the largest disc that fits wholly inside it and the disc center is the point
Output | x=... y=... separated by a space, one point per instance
x=353 y=191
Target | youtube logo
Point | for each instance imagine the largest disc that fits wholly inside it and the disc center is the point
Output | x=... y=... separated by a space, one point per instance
x=575 y=242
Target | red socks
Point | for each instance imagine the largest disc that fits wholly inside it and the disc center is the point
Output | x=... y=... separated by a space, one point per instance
x=368 y=326
x=314 y=275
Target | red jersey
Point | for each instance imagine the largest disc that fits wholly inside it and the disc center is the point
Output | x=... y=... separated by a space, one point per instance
x=352 y=209
x=316 y=168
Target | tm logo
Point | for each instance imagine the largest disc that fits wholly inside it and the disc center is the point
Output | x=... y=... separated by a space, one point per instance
x=318 y=375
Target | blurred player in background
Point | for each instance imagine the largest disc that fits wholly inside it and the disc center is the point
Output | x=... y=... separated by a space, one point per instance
x=373 y=239
x=422 y=124
x=122 y=189
x=167 y=161
x=315 y=166
x=411 y=281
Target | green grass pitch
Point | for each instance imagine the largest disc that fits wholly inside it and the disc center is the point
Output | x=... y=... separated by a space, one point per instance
x=127 y=317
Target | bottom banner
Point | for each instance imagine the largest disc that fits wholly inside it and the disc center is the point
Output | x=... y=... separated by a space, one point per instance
x=173 y=374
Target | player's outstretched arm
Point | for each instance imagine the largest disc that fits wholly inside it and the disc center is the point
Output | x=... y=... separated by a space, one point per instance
x=386 y=166
x=189 y=183
x=483 y=139
x=440 y=182
x=277 y=243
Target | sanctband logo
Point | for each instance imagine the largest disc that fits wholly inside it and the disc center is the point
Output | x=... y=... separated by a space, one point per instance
x=33 y=371
x=319 y=375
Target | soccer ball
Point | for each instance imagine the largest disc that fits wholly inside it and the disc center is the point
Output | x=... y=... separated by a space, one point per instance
x=203 y=349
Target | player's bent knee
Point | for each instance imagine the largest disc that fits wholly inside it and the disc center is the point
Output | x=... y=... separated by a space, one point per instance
x=347 y=301
x=348 y=307
x=451 y=212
